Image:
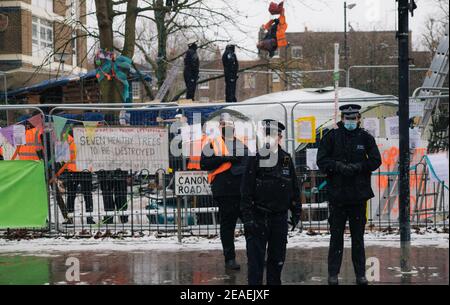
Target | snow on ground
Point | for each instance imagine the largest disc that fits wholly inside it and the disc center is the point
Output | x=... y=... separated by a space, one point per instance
x=151 y=242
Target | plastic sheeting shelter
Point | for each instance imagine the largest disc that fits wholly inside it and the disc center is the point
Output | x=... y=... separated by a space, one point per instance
x=310 y=102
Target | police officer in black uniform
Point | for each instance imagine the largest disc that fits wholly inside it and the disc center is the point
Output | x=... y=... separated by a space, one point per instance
x=268 y=190
x=348 y=155
x=191 y=70
x=231 y=67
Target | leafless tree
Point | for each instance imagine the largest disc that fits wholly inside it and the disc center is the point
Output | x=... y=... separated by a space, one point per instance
x=435 y=25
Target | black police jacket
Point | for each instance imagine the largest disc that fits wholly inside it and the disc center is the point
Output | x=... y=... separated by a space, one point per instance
x=230 y=64
x=349 y=147
x=269 y=189
x=191 y=65
x=228 y=183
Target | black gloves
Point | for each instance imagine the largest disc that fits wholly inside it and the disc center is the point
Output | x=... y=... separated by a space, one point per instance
x=251 y=228
x=348 y=169
x=296 y=215
x=355 y=167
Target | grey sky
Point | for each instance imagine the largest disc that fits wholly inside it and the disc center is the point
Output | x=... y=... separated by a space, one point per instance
x=316 y=15
x=328 y=15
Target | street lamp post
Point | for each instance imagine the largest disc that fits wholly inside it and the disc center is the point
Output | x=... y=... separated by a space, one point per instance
x=350 y=6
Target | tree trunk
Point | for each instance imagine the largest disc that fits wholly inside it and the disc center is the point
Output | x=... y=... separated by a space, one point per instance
x=160 y=14
x=110 y=91
x=130 y=29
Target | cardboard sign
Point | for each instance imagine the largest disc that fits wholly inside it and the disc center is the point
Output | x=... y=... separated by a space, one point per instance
x=192 y=183
x=311 y=158
x=306 y=129
x=372 y=125
x=392 y=127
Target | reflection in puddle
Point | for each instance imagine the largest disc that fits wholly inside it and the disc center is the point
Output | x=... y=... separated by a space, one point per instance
x=303 y=266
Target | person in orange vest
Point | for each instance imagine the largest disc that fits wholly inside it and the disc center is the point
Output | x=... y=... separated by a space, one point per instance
x=276 y=34
x=223 y=158
x=196 y=149
x=1 y=153
x=195 y=157
x=33 y=149
x=73 y=179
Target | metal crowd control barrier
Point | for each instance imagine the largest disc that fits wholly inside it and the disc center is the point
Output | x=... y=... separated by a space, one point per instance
x=35 y=109
x=199 y=219
x=148 y=204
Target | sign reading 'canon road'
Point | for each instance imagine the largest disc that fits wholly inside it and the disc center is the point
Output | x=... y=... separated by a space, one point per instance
x=192 y=183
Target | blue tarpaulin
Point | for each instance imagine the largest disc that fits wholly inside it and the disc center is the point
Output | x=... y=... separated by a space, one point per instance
x=148 y=117
x=62 y=81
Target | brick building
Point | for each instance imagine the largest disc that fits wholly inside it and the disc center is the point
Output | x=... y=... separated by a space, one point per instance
x=312 y=51
x=308 y=62
x=42 y=39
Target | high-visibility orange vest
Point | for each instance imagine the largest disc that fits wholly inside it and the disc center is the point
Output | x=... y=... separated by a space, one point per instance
x=33 y=144
x=220 y=149
x=281 y=31
x=71 y=165
x=196 y=153
x=1 y=151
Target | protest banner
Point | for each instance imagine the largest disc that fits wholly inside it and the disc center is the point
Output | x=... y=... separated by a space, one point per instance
x=111 y=148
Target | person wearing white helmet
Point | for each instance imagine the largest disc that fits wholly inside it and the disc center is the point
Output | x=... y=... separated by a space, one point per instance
x=221 y=158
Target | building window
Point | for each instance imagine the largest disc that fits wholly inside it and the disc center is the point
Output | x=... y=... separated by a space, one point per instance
x=136 y=90
x=73 y=10
x=74 y=51
x=204 y=85
x=296 y=79
x=297 y=52
x=44 y=4
x=275 y=77
x=42 y=37
x=276 y=53
x=249 y=81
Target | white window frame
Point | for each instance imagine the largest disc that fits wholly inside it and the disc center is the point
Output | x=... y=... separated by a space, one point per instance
x=42 y=37
x=73 y=12
x=275 y=77
x=296 y=48
x=297 y=79
x=137 y=90
x=203 y=86
x=276 y=53
x=249 y=81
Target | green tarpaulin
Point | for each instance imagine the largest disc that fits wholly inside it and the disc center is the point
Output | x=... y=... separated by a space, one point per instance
x=23 y=194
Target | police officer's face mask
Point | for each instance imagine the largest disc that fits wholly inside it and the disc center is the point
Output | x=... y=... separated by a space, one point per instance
x=271 y=143
x=350 y=124
x=227 y=131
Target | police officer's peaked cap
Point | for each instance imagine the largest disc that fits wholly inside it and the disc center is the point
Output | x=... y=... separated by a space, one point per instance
x=193 y=45
x=270 y=124
x=231 y=47
x=225 y=117
x=350 y=109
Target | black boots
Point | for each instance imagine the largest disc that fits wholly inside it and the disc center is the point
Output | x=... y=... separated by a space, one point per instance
x=333 y=280
x=362 y=280
x=110 y=219
x=90 y=220
x=232 y=265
